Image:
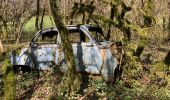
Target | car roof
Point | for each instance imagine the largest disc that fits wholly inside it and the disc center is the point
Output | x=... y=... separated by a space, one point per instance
x=71 y=28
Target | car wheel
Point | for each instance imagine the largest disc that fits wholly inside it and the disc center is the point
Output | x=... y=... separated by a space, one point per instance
x=118 y=73
x=31 y=63
x=34 y=68
x=21 y=68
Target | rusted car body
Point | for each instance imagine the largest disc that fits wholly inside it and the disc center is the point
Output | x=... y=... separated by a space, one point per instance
x=91 y=51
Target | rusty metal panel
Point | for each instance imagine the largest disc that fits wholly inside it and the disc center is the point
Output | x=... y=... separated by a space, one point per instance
x=90 y=57
x=109 y=65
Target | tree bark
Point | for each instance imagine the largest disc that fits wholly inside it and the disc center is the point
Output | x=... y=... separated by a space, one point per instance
x=42 y=18
x=67 y=48
x=1 y=47
x=111 y=17
x=37 y=15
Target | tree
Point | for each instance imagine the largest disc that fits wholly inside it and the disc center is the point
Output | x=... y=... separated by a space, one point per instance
x=84 y=9
x=37 y=15
x=67 y=48
x=9 y=81
x=14 y=15
x=1 y=47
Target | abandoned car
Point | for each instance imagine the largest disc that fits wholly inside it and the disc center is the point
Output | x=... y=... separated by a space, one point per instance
x=93 y=54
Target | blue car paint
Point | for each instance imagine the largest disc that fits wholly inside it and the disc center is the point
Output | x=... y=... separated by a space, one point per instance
x=91 y=57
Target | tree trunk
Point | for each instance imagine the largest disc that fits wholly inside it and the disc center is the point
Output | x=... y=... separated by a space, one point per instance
x=1 y=47
x=42 y=18
x=9 y=81
x=67 y=48
x=37 y=15
x=169 y=22
x=111 y=17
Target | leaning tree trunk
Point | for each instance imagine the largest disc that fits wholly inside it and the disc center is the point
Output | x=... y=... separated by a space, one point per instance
x=67 y=48
x=1 y=47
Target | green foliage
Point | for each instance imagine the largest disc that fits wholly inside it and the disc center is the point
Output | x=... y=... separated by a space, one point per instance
x=166 y=60
x=83 y=9
x=80 y=8
x=135 y=77
x=132 y=67
x=158 y=67
x=147 y=13
x=117 y=18
x=9 y=81
x=154 y=93
x=1 y=85
x=39 y=84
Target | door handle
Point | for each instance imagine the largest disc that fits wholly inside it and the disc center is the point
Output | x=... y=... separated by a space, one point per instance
x=91 y=45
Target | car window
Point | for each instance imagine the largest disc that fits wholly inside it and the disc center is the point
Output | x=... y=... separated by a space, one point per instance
x=74 y=37
x=96 y=33
x=78 y=37
x=47 y=38
x=97 y=36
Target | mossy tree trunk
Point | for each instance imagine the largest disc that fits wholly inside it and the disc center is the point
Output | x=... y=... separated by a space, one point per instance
x=9 y=81
x=67 y=48
x=169 y=22
x=37 y=15
x=113 y=9
x=42 y=17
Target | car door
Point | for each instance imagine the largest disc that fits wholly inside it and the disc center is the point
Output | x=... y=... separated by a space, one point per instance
x=44 y=49
x=86 y=53
x=102 y=46
x=91 y=56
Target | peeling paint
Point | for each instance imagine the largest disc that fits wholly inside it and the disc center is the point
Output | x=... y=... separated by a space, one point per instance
x=91 y=56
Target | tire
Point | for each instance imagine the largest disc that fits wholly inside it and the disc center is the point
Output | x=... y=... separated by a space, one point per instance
x=118 y=73
x=21 y=68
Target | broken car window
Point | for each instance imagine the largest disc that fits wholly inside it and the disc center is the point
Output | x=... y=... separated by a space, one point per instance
x=49 y=37
x=77 y=36
x=97 y=34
